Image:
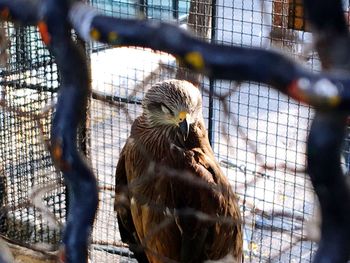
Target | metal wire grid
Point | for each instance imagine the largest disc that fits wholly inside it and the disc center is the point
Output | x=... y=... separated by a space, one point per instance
x=264 y=128
x=110 y=122
x=263 y=122
x=277 y=201
x=120 y=78
x=28 y=84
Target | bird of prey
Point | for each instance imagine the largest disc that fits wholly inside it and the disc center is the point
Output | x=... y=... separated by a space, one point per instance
x=173 y=202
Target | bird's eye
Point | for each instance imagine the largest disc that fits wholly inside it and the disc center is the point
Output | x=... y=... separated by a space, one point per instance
x=165 y=109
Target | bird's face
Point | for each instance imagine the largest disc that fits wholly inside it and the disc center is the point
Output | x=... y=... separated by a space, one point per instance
x=173 y=103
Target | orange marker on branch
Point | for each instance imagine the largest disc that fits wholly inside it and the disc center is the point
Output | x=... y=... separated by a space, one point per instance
x=44 y=32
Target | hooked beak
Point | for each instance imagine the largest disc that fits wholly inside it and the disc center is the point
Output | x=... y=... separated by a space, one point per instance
x=184 y=125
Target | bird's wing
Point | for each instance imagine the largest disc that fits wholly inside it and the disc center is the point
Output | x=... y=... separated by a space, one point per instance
x=219 y=198
x=122 y=207
x=208 y=193
x=143 y=220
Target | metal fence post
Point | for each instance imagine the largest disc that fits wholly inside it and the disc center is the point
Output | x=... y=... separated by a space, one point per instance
x=212 y=81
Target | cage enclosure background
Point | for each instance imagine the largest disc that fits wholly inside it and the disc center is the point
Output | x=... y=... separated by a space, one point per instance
x=28 y=85
x=260 y=144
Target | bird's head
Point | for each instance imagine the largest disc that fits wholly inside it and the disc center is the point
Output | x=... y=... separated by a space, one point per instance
x=173 y=103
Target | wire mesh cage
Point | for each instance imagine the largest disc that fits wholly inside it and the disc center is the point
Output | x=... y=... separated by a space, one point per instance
x=30 y=187
x=258 y=135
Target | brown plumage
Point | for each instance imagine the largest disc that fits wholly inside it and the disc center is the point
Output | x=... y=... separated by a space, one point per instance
x=173 y=202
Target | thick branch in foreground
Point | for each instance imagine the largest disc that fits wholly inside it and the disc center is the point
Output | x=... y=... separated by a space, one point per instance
x=70 y=111
x=327 y=135
x=25 y=12
x=324 y=145
x=331 y=33
x=199 y=23
x=217 y=61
